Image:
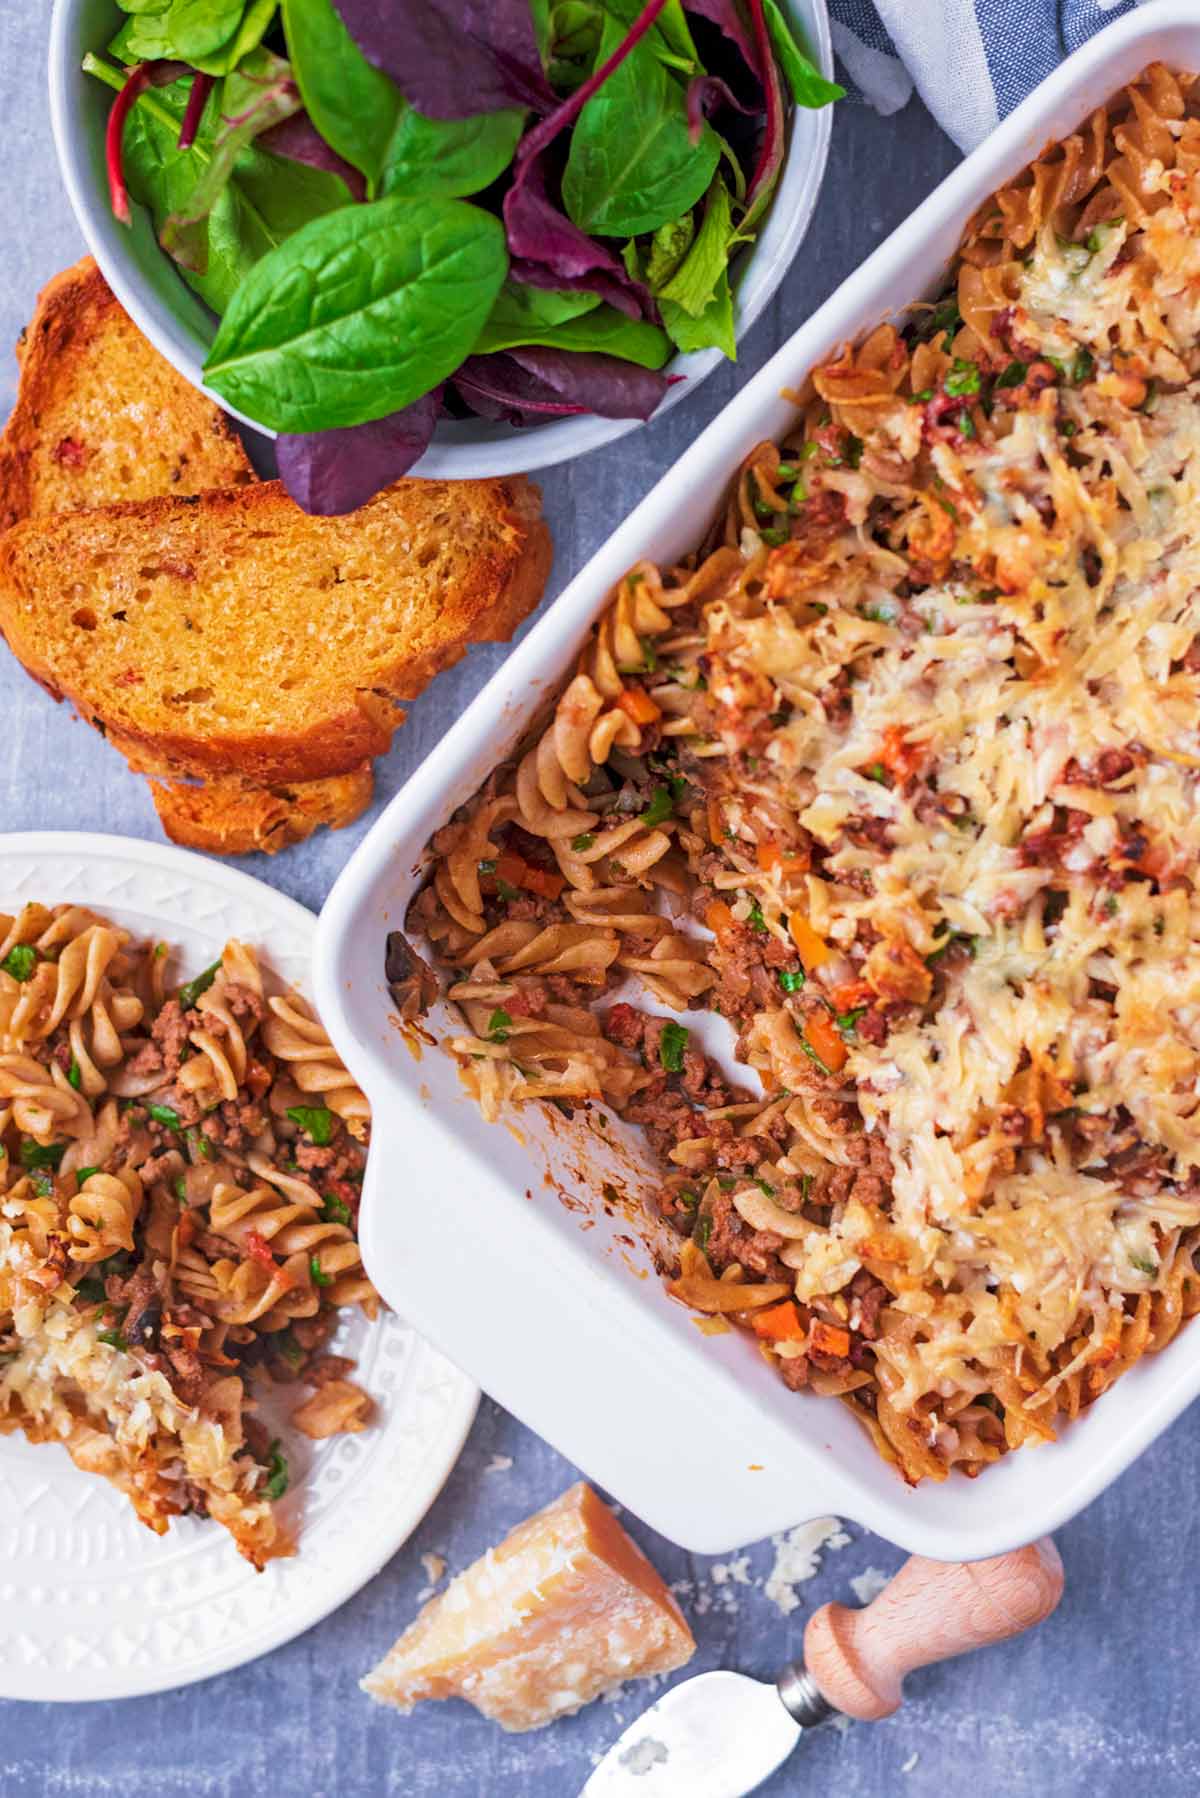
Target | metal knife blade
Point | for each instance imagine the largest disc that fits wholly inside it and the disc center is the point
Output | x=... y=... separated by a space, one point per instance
x=719 y=1735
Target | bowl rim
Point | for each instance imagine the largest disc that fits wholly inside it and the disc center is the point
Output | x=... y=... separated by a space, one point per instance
x=466 y=449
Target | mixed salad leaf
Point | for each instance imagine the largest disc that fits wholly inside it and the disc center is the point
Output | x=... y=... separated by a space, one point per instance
x=403 y=209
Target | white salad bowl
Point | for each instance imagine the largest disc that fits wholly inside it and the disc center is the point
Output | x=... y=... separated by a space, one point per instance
x=182 y=328
x=515 y=1249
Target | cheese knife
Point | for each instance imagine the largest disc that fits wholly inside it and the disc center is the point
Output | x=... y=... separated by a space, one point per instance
x=721 y=1734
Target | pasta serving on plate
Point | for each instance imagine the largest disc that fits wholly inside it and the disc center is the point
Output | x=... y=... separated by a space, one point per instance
x=898 y=774
x=179 y=1185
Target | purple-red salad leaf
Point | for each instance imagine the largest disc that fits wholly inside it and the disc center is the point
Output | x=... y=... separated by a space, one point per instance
x=452 y=59
x=521 y=385
x=726 y=16
x=298 y=140
x=260 y=93
x=198 y=93
x=707 y=94
x=771 y=150
x=144 y=75
x=548 y=251
x=331 y=472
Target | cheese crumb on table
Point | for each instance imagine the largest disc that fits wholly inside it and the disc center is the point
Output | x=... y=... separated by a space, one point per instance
x=868 y=1584
x=565 y=1608
x=797 y=1557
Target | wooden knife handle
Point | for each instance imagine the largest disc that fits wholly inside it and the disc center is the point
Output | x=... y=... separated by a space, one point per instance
x=931 y=1611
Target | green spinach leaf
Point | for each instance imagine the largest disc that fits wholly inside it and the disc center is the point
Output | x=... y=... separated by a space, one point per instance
x=695 y=280
x=632 y=165
x=354 y=105
x=260 y=93
x=176 y=32
x=809 y=87
x=711 y=330
x=448 y=158
x=359 y=313
x=265 y=200
x=527 y=315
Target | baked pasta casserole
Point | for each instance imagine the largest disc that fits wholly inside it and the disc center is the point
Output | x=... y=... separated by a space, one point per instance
x=179 y=1182
x=898 y=774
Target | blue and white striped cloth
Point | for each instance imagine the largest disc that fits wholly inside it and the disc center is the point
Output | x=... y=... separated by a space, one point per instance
x=971 y=61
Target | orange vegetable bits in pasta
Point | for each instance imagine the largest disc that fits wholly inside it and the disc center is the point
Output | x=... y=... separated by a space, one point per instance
x=896 y=777
x=179 y=1188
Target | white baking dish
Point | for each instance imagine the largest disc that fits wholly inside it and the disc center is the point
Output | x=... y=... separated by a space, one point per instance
x=549 y=1306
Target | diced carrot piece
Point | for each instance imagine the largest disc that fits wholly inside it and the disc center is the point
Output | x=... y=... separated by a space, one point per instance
x=781 y=1323
x=716 y=823
x=824 y=1038
x=637 y=704
x=542 y=881
x=768 y=856
x=827 y=1340
x=718 y=917
x=898 y=756
x=511 y=868
x=852 y=993
x=813 y=948
x=772 y=859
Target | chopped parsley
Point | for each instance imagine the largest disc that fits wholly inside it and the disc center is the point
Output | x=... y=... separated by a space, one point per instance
x=702 y=1232
x=963 y=378
x=809 y=1050
x=1144 y=1266
x=806 y=1181
x=923 y=396
x=83 y=1174
x=486 y=866
x=688 y=1199
x=969 y=943
x=335 y=1210
x=671 y=1046
x=660 y=807
x=765 y=1186
x=316 y=1121
x=1013 y=375
x=847 y=1021
x=36 y=1154
x=43 y=1185
x=649 y=659
x=74 y=1074
x=880 y=614
x=945 y=317
x=286 y=1345
x=499 y=1025
x=790 y=979
x=113 y=1338
x=774 y=537
x=191 y=990
x=320 y=1277
x=1083 y=367
x=584 y=841
x=20 y=961
x=966 y=425
x=505 y=891
x=198 y=1144
x=878 y=773
x=278 y=1476
x=756 y=919
x=163 y=1114
x=180 y=1185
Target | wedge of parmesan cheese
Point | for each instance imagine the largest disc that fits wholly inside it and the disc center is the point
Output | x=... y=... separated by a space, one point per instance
x=565 y=1609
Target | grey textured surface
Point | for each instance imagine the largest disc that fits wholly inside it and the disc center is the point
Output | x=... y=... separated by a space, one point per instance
x=1100 y=1700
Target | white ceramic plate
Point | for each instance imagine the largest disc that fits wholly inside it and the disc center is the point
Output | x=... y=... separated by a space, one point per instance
x=92 y=1604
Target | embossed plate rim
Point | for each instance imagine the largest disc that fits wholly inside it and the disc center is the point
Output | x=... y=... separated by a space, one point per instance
x=421 y=1433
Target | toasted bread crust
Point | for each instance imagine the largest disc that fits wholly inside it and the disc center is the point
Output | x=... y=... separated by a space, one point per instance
x=100 y=415
x=492 y=553
x=231 y=817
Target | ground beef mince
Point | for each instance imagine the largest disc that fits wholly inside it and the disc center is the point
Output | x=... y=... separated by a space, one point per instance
x=732 y=1239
